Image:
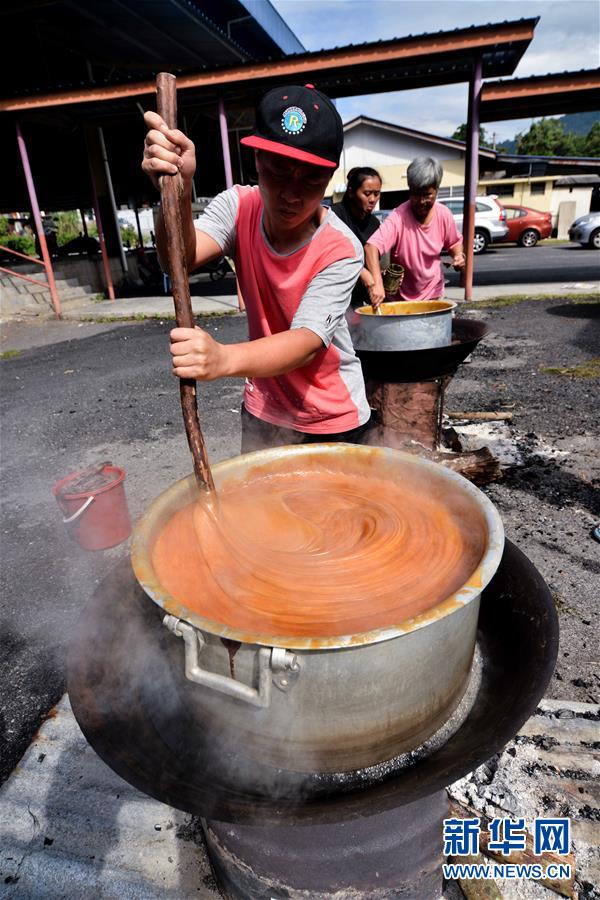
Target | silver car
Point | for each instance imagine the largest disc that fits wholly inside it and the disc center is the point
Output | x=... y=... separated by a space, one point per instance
x=586 y=230
x=490 y=220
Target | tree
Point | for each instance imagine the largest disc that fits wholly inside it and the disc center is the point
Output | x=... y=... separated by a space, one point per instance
x=67 y=226
x=129 y=236
x=22 y=243
x=461 y=135
x=548 y=138
x=591 y=142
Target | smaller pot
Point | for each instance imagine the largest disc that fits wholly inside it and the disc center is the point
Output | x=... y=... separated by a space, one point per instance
x=404 y=325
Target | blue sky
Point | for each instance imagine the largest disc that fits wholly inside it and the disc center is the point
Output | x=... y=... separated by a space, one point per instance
x=567 y=38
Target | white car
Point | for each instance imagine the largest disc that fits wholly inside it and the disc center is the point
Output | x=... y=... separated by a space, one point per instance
x=490 y=220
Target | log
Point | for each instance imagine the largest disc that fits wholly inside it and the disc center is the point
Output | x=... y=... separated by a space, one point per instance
x=483 y=888
x=479 y=466
x=566 y=888
x=482 y=416
x=171 y=189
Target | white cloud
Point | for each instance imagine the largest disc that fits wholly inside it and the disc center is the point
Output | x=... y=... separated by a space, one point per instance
x=566 y=38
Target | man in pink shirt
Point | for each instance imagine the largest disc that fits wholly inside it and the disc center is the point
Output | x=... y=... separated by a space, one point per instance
x=414 y=235
x=296 y=263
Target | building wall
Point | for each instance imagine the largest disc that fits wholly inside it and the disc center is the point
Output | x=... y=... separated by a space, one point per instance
x=581 y=196
x=454 y=172
x=520 y=191
x=526 y=192
x=391 y=154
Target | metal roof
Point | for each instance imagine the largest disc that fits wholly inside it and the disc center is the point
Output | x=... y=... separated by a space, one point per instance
x=540 y=95
x=443 y=57
x=570 y=160
x=278 y=29
x=114 y=98
x=50 y=45
x=578 y=180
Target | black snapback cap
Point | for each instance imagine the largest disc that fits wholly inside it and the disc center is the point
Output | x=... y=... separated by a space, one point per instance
x=300 y=123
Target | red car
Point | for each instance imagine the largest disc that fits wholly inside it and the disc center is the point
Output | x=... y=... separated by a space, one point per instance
x=527 y=226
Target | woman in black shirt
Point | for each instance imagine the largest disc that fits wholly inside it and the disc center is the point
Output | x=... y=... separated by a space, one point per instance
x=356 y=211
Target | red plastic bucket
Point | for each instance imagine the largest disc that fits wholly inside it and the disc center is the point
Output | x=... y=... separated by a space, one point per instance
x=99 y=518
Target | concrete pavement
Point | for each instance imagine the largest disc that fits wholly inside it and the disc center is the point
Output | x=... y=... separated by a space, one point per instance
x=538 y=289
x=149 y=308
x=227 y=304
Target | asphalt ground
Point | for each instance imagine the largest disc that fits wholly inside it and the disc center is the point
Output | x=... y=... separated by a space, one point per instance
x=86 y=393
x=503 y=264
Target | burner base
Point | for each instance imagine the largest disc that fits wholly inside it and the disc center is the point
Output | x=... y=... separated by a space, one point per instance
x=395 y=854
x=129 y=706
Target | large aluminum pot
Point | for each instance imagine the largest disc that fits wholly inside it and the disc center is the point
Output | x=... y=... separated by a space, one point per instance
x=327 y=704
x=403 y=325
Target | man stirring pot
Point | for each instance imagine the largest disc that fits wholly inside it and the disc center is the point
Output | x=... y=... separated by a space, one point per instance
x=296 y=264
x=415 y=234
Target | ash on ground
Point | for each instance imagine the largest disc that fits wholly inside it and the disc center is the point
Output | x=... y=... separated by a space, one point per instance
x=548 y=498
x=551 y=770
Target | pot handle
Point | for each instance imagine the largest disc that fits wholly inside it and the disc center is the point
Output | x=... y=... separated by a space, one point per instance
x=271 y=660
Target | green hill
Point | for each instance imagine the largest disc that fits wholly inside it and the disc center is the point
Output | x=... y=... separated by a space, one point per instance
x=579 y=123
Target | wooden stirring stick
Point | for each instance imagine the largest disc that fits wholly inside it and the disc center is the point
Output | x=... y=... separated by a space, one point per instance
x=171 y=189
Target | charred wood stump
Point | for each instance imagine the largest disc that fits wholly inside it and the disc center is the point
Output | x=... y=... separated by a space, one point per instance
x=409 y=417
x=409 y=411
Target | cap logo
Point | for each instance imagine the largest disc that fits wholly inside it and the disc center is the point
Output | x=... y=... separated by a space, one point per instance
x=293 y=120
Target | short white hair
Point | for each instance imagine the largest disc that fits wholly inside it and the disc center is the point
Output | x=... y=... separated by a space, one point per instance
x=423 y=173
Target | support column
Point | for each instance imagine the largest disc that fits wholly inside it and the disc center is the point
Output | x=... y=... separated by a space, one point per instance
x=471 y=173
x=225 y=145
x=35 y=209
x=139 y=227
x=239 y=155
x=102 y=185
x=110 y=290
x=228 y=175
x=84 y=223
x=187 y=131
x=113 y=203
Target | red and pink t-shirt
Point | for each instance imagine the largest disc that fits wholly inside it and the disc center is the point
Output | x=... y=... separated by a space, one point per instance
x=417 y=247
x=307 y=288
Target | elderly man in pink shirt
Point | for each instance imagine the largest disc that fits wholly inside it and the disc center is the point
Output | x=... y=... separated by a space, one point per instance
x=414 y=235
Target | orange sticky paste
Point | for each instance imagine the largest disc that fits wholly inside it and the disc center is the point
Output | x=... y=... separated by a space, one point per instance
x=320 y=552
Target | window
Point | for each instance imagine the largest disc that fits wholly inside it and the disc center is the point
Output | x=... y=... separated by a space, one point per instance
x=455 y=207
x=538 y=187
x=502 y=190
x=482 y=207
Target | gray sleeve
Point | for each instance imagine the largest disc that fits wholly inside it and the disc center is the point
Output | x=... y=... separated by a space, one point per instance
x=327 y=298
x=218 y=220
